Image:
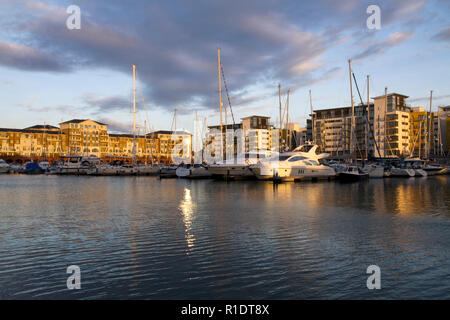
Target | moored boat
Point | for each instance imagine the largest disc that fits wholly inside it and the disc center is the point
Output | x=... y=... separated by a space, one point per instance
x=195 y=171
x=4 y=167
x=300 y=164
x=32 y=168
x=238 y=168
x=374 y=171
x=353 y=173
x=76 y=165
x=168 y=172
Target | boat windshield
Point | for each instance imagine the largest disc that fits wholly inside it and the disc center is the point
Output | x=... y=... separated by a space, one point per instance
x=297 y=158
x=281 y=157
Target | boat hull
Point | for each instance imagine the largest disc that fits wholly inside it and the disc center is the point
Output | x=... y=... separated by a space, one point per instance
x=346 y=176
x=399 y=172
x=4 y=169
x=193 y=173
x=287 y=174
x=231 y=172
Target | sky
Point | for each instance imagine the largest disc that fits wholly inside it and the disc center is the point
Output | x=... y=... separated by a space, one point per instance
x=50 y=73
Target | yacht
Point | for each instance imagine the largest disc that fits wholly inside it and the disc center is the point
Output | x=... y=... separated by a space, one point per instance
x=417 y=165
x=76 y=165
x=353 y=173
x=400 y=169
x=238 y=167
x=168 y=171
x=44 y=165
x=300 y=164
x=147 y=170
x=4 y=167
x=432 y=169
x=374 y=170
x=195 y=171
x=32 y=168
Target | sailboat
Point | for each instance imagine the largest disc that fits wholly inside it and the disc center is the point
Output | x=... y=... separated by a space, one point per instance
x=195 y=170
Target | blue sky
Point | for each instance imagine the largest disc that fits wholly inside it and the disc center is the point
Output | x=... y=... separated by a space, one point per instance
x=49 y=73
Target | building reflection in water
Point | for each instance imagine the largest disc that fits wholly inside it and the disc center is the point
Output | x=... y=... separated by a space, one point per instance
x=187 y=208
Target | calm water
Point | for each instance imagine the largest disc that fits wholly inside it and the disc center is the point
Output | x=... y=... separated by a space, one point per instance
x=177 y=239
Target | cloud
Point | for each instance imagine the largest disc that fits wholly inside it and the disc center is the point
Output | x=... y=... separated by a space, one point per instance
x=116 y=126
x=379 y=47
x=27 y=58
x=443 y=35
x=173 y=44
x=427 y=99
x=101 y=105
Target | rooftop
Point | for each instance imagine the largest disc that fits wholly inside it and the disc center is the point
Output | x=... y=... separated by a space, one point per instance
x=391 y=94
x=40 y=126
x=82 y=120
x=254 y=116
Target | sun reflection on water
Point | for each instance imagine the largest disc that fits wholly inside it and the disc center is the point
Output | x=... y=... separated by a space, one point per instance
x=187 y=208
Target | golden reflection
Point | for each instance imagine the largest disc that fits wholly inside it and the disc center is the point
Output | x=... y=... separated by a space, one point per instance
x=187 y=208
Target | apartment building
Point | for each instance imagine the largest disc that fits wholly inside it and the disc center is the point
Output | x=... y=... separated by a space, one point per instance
x=332 y=130
x=392 y=125
x=88 y=137
x=253 y=133
x=388 y=128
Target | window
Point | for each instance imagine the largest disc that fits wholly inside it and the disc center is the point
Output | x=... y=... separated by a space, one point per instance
x=298 y=158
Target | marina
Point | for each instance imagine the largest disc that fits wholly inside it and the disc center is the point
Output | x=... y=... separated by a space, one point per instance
x=244 y=152
x=144 y=237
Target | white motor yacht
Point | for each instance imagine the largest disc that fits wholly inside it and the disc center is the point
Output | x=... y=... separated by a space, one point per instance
x=300 y=164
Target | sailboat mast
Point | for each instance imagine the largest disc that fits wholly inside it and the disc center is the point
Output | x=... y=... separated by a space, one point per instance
x=134 y=114
x=312 y=116
x=145 y=141
x=43 y=144
x=287 y=120
x=420 y=138
x=175 y=120
x=281 y=120
x=385 y=120
x=368 y=117
x=429 y=126
x=220 y=89
x=353 y=110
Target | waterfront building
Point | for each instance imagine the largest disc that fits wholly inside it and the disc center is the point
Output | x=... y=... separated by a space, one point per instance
x=253 y=133
x=392 y=125
x=405 y=134
x=31 y=143
x=332 y=131
x=85 y=137
x=441 y=129
x=419 y=138
x=88 y=137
